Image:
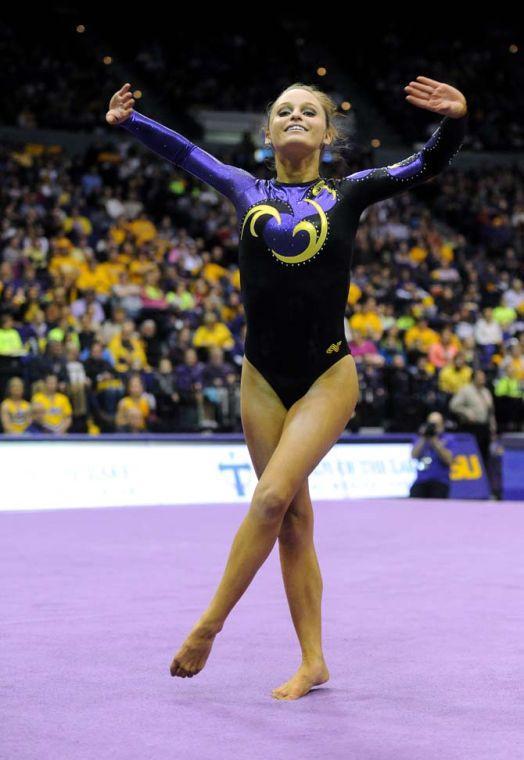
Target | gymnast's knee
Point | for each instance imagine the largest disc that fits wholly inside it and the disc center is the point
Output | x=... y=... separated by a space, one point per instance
x=297 y=526
x=270 y=503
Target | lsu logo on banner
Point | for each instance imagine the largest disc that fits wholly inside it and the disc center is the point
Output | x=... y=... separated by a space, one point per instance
x=466 y=467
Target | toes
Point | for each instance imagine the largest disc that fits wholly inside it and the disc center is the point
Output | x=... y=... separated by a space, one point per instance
x=176 y=669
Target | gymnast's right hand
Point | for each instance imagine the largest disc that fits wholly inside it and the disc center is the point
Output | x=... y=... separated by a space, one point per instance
x=120 y=106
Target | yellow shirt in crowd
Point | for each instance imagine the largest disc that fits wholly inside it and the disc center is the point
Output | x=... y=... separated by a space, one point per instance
x=141 y=405
x=218 y=335
x=18 y=414
x=366 y=324
x=143 y=230
x=57 y=408
x=354 y=294
x=96 y=280
x=213 y=272
x=123 y=356
x=426 y=337
x=451 y=379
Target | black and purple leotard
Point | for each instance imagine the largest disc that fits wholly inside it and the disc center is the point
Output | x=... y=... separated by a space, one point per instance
x=296 y=243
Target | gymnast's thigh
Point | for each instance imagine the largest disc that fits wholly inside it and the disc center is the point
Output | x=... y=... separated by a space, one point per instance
x=312 y=425
x=263 y=415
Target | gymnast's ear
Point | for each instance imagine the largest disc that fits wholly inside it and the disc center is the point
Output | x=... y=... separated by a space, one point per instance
x=328 y=137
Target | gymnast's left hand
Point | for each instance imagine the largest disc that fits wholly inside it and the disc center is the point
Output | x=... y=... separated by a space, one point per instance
x=438 y=97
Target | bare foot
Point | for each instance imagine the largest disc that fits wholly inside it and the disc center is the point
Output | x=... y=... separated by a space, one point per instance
x=307 y=676
x=192 y=655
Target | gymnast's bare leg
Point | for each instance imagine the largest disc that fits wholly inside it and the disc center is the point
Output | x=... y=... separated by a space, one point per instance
x=309 y=429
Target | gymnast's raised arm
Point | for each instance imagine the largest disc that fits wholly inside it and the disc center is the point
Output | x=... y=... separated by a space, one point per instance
x=372 y=185
x=177 y=149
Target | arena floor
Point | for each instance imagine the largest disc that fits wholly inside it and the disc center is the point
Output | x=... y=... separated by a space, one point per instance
x=423 y=635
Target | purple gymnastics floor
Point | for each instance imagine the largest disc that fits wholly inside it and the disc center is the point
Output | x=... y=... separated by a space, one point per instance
x=423 y=635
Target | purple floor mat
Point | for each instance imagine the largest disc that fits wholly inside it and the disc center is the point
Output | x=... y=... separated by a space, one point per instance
x=423 y=633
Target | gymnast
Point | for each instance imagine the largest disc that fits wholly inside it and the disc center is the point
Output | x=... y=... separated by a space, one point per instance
x=299 y=384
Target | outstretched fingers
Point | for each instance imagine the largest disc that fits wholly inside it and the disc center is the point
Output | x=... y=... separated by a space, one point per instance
x=427 y=80
x=421 y=89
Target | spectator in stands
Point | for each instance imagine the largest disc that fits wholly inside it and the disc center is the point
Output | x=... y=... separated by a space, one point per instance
x=391 y=346
x=58 y=412
x=454 y=375
x=51 y=361
x=181 y=297
x=434 y=457
x=515 y=295
x=444 y=350
x=400 y=414
x=37 y=425
x=134 y=409
x=167 y=396
x=419 y=338
x=424 y=388
x=189 y=383
x=488 y=336
x=509 y=399
x=89 y=303
x=77 y=389
x=213 y=333
x=366 y=320
x=127 y=348
x=112 y=326
x=104 y=396
x=96 y=362
x=474 y=407
x=220 y=390
x=465 y=323
x=516 y=360
x=371 y=407
x=15 y=411
x=361 y=347
x=151 y=294
x=11 y=349
x=151 y=342
x=126 y=294
x=505 y=316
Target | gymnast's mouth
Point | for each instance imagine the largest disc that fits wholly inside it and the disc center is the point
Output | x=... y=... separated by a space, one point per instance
x=296 y=127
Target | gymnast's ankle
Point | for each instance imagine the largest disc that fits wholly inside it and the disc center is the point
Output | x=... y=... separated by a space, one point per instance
x=209 y=626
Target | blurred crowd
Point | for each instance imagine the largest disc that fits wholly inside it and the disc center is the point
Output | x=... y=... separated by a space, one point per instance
x=219 y=65
x=484 y=62
x=120 y=304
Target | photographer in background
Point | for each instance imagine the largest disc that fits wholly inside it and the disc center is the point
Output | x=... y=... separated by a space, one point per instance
x=434 y=460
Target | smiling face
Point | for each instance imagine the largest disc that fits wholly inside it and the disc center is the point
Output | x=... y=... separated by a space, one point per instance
x=298 y=124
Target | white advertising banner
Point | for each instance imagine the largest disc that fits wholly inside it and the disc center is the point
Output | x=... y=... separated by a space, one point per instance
x=74 y=474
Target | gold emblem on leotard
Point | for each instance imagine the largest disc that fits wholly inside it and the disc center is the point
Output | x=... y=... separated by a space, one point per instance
x=333 y=347
x=316 y=238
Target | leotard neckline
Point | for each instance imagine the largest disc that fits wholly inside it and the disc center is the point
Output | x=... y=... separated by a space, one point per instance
x=296 y=184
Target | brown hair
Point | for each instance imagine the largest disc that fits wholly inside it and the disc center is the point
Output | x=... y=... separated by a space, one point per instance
x=331 y=113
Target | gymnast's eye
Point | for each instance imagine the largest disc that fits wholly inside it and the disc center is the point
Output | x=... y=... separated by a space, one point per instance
x=308 y=111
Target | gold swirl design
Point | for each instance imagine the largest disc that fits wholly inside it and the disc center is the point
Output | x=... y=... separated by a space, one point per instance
x=316 y=189
x=316 y=240
x=255 y=214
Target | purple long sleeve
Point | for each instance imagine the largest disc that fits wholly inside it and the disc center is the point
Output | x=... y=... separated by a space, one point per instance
x=178 y=150
x=372 y=185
